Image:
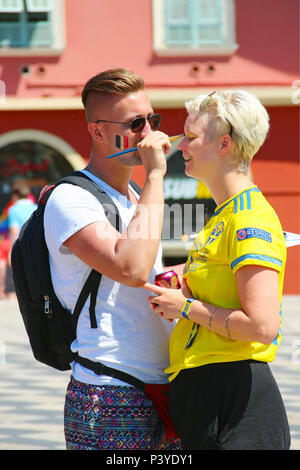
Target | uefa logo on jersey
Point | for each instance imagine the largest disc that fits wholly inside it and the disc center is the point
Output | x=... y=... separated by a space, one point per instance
x=241 y=234
x=253 y=232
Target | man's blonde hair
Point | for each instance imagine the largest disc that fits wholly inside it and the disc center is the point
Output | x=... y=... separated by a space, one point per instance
x=114 y=82
x=238 y=113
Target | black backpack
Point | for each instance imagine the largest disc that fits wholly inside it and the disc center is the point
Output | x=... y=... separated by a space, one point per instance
x=50 y=327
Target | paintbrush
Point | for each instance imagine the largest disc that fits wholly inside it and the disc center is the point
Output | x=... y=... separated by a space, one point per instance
x=175 y=137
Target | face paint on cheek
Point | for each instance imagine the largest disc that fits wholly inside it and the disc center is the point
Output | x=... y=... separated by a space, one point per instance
x=122 y=142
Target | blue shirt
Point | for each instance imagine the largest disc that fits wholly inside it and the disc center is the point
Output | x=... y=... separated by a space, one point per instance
x=20 y=212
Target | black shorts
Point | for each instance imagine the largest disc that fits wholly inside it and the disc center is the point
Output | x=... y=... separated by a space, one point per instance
x=229 y=406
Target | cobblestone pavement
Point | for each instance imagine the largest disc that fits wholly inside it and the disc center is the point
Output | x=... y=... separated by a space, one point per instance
x=32 y=395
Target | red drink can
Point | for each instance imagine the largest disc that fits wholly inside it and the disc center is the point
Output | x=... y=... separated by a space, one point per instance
x=168 y=279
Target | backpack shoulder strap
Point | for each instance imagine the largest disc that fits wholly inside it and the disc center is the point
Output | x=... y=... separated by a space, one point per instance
x=92 y=283
x=80 y=179
x=135 y=186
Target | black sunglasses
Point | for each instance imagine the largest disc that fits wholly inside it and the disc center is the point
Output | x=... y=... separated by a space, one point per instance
x=137 y=124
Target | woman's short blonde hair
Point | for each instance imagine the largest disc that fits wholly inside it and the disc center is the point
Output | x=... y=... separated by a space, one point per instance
x=238 y=113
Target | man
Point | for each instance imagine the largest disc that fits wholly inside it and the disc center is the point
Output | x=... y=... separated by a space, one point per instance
x=102 y=412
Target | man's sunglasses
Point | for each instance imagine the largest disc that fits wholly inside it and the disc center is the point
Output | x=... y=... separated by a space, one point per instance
x=137 y=124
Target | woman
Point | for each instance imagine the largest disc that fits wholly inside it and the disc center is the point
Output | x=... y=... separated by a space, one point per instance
x=222 y=392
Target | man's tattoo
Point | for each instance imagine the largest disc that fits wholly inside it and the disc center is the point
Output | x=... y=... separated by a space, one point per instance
x=227 y=326
x=211 y=317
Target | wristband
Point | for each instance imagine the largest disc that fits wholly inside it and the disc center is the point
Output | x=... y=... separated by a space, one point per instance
x=186 y=308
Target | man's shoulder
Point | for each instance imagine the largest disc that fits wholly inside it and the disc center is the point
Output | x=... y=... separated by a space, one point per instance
x=68 y=193
x=73 y=205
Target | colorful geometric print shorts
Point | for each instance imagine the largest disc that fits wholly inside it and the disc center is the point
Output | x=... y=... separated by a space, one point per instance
x=110 y=417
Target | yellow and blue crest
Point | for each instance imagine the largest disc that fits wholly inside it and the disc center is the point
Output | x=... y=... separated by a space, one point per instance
x=216 y=231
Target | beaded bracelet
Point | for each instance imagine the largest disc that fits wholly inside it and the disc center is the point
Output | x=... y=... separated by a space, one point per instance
x=186 y=308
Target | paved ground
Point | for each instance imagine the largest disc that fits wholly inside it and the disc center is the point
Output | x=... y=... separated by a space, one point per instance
x=32 y=395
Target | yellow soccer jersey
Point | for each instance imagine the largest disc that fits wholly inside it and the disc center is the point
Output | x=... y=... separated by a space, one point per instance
x=244 y=230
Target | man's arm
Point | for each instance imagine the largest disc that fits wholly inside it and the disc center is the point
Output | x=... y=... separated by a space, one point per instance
x=129 y=257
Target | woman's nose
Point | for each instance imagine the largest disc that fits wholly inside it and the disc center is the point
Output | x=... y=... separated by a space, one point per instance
x=182 y=144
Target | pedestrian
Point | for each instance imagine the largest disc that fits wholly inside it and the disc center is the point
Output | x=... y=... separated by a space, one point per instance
x=222 y=392
x=5 y=247
x=102 y=412
x=21 y=209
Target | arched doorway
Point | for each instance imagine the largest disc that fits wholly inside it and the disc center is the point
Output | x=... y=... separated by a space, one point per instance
x=36 y=156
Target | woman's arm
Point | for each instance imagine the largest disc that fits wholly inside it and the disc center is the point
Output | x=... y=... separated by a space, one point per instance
x=258 y=320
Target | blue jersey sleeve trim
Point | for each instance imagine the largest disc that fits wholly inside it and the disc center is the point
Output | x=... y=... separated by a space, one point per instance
x=269 y=259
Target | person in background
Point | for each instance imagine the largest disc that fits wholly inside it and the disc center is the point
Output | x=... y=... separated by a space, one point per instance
x=5 y=246
x=14 y=215
x=223 y=395
x=21 y=210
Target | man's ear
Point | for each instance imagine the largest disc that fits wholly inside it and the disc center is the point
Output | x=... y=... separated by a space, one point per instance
x=95 y=131
x=224 y=144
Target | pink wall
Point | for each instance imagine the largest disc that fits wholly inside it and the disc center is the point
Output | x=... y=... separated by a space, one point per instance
x=100 y=36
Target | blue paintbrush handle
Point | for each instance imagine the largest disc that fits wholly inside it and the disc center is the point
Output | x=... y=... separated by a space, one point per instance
x=122 y=153
x=175 y=137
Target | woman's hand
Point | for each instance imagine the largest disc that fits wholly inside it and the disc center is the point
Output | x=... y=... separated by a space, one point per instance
x=167 y=303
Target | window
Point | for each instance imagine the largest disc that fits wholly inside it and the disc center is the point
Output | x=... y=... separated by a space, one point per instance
x=34 y=26
x=189 y=27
